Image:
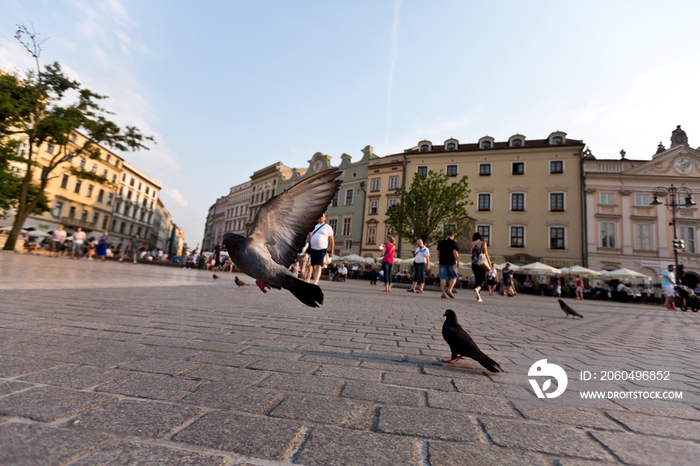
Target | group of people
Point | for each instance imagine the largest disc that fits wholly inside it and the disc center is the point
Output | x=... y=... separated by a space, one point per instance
x=79 y=245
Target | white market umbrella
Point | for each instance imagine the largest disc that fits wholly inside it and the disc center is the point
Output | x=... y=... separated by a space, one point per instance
x=369 y=260
x=352 y=258
x=513 y=267
x=39 y=234
x=625 y=274
x=539 y=267
x=580 y=271
x=336 y=258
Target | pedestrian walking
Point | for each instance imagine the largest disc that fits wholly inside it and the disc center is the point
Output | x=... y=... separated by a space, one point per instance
x=448 y=258
x=78 y=240
x=58 y=237
x=319 y=240
x=421 y=265
x=388 y=262
x=102 y=246
x=492 y=280
x=373 y=275
x=508 y=286
x=131 y=248
x=578 y=283
x=668 y=283
x=479 y=247
x=543 y=283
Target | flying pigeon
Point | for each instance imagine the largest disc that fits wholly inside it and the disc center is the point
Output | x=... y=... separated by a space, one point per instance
x=240 y=282
x=215 y=276
x=568 y=310
x=279 y=232
x=462 y=345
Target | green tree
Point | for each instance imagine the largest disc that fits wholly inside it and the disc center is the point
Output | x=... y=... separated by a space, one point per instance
x=46 y=106
x=429 y=206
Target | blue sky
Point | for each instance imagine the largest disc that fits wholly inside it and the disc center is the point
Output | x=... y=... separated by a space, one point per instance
x=229 y=87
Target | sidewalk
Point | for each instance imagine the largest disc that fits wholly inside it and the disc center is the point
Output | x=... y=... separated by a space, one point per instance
x=112 y=363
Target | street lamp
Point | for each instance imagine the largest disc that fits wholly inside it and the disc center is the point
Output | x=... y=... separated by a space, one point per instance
x=676 y=197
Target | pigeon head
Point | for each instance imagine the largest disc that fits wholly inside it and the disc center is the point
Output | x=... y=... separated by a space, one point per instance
x=451 y=316
x=560 y=301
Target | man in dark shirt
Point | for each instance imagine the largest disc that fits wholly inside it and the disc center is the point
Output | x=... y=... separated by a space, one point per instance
x=448 y=258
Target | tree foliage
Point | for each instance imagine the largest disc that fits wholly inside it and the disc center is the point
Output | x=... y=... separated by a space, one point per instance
x=47 y=106
x=429 y=206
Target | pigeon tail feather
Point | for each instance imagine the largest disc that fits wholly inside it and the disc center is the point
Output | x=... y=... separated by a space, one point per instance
x=487 y=362
x=307 y=293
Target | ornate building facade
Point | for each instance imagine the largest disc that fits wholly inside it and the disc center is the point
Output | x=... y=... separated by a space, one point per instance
x=624 y=229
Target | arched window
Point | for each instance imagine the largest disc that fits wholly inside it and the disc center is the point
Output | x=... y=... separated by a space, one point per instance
x=516 y=142
x=424 y=148
x=486 y=145
x=451 y=146
x=556 y=141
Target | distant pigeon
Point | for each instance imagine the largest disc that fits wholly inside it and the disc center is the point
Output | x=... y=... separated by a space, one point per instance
x=215 y=276
x=568 y=311
x=462 y=345
x=240 y=282
x=279 y=232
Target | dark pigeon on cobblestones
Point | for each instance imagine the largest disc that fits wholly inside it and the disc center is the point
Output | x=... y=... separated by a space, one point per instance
x=462 y=345
x=568 y=310
x=240 y=282
x=279 y=233
x=215 y=276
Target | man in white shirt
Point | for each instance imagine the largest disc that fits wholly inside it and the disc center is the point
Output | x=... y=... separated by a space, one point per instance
x=319 y=239
x=668 y=283
x=58 y=237
x=421 y=264
x=78 y=240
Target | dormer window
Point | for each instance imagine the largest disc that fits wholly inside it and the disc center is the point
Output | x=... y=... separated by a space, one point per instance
x=451 y=146
x=516 y=143
x=557 y=141
x=486 y=145
x=424 y=148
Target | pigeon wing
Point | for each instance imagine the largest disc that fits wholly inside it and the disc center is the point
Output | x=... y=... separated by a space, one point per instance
x=283 y=222
x=459 y=341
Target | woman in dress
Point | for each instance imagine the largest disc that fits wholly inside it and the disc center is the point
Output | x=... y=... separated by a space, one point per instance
x=102 y=246
x=478 y=247
x=388 y=262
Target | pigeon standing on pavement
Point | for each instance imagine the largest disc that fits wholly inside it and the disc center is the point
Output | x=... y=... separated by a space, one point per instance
x=462 y=345
x=215 y=276
x=240 y=282
x=568 y=310
x=279 y=232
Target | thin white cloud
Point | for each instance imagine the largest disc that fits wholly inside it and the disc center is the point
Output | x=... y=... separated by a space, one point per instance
x=392 y=66
x=175 y=195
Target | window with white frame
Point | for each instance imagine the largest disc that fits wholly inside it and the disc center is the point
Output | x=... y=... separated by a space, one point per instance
x=556 y=166
x=373 y=207
x=392 y=202
x=687 y=234
x=642 y=200
x=556 y=202
x=643 y=237
x=451 y=146
x=517 y=202
x=334 y=202
x=348 y=196
x=607 y=198
x=452 y=170
x=518 y=168
x=394 y=182
x=485 y=231
x=94 y=168
x=64 y=182
x=82 y=162
x=556 y=238
x=423 y=171
x=608 y=234
x=348 y=244
x=49 y=147
x=484 y=169
x=484 y=204
x=375 y=184
x=517 y=237
x=347 y=226
x=57 y=209
x=371 y=235
x=333 y=223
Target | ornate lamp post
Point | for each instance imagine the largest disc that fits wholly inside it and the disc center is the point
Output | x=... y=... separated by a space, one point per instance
x=676 y=197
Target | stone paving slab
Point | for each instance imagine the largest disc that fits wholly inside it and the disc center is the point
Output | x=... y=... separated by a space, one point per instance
x=169 y=367
x=135 y=418
x=133 y=454
x=49 y=404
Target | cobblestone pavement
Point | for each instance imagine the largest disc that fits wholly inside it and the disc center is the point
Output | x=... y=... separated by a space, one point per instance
x=109 y=363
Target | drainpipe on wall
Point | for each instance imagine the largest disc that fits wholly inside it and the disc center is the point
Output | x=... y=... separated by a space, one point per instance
x=584 y=226
x=362 y=217
x=403 y=184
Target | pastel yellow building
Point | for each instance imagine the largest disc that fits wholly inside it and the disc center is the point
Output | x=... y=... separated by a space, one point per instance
x=526 y=193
